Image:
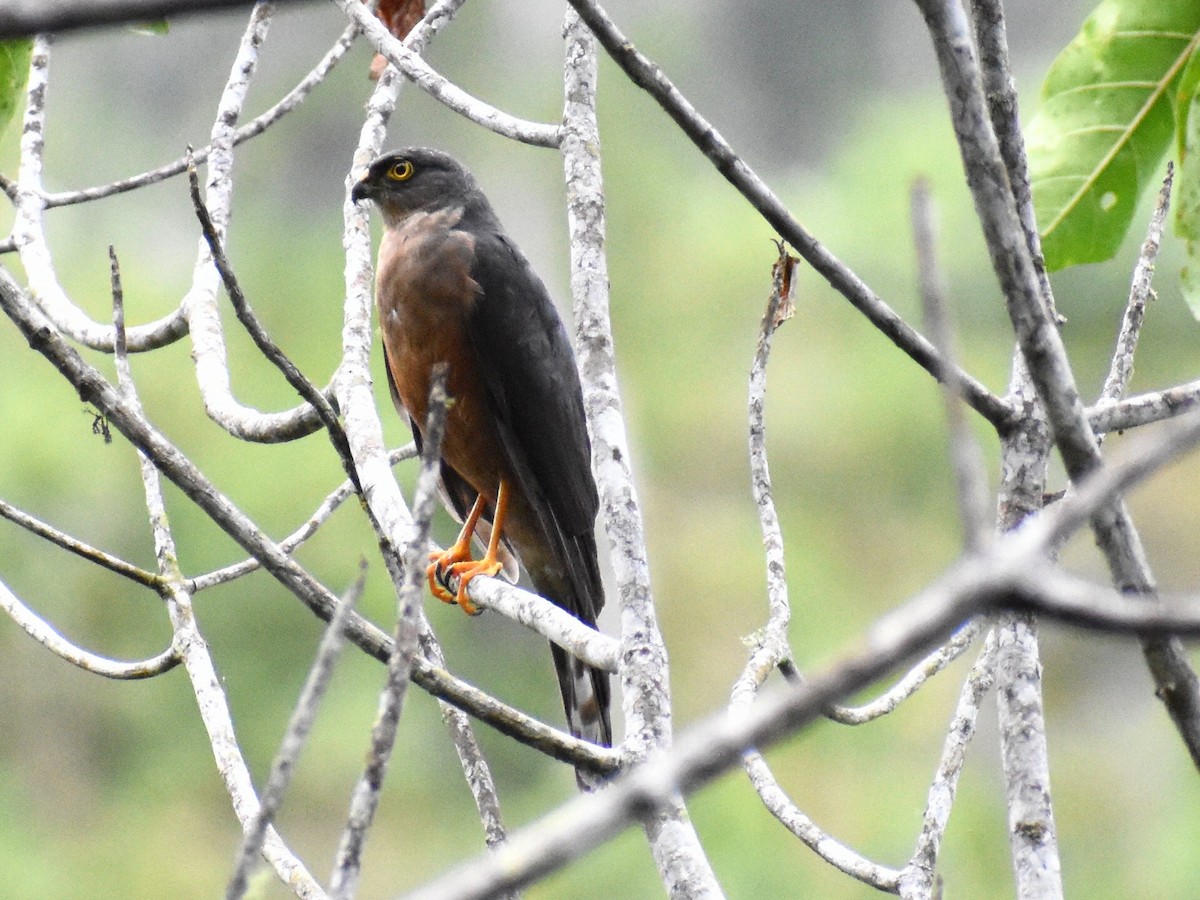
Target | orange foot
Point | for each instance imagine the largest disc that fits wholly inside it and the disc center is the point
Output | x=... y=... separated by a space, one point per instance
x=456 y=560
x=464 y=572
x=442 y=561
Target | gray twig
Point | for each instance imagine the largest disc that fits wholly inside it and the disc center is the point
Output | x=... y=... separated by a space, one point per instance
x=1141 y=291
x=241 y=307
x=44 y=634
x=297 y=537
x=256 y=126
x=965 y=456
x=401 y=55
x=78 y=547
x=1143 y=409
x=1041 y=346
x=648 y=76
x=918 y=878
x=344 y=879
x=190 y=643
x=298 y=728
x=20 y=18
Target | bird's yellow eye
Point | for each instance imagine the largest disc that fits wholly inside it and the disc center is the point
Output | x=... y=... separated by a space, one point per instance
x=400 y=171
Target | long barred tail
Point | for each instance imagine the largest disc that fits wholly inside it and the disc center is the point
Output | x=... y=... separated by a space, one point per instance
x=586 y=698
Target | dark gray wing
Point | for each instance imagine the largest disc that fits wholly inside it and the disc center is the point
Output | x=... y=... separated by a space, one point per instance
x=528 y=365
x=533 y=386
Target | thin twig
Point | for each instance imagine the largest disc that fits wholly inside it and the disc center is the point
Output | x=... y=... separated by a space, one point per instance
x=1144 y=409
x=209 y=353
x=1000 y=89
x=29 y=232
x=206 y=685
x=251 y=129
x=1141 y=291
x=79 y=548
x=648 y=76
x=476 y=771
x=298 y=729
x=909 y=683
x=415 y=69
x=343 y=882
x=771 y=648
x=918 y=878
x=241 y=307
x=780 y=307
x=320 y=515
x=966 y=458
x=45 y=635
x=20 y=18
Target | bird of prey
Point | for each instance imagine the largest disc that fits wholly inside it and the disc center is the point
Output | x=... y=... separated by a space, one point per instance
x=452 y=287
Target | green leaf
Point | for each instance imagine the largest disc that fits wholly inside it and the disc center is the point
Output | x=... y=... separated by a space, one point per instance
x=14 y=72
x=1187 y=180
x=1105 y=120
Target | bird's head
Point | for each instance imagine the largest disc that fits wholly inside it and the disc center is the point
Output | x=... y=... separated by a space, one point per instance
x=416 y=179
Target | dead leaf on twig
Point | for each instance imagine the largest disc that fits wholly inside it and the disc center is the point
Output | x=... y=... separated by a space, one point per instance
x=399 y=16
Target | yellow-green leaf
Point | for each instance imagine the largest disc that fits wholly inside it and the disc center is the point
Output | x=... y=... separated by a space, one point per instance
x=14 y=72
x=1105 y=120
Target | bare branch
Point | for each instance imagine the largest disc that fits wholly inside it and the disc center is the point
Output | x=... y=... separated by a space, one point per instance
x=79 y=548
x=1141 y=291
x=547 y=619
x=1041 y=345
x=1143 y=409
x=644 y=688
x=253 y=128
x=770 y=643
x=1000 y=89
x=297 y=537
x=210 y=695
x=200 y=303
x=917 y=880
x=29 y=234
x=298 y=729
x=648 y=76
x=419 y=72
x=20 y=18
x=965 y=456
x=780 y=307
x=838 y=855
x=45 y=635
x=319 y=407
x=470 y=756
x=365 y=800
x=643 y=669
x=912 y=681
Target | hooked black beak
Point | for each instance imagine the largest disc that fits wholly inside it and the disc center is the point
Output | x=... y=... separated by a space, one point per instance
x=361 y=191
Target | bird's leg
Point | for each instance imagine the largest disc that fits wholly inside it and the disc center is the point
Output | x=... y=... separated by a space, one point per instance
x=458 y=552
x=490 y=564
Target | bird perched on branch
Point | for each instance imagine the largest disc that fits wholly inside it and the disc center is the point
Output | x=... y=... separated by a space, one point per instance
x=452 y=287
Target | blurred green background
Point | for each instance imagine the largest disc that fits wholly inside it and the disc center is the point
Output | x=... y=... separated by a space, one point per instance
x=109 y=789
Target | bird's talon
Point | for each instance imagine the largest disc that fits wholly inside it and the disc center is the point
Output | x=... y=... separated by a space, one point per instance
x=435 y=586
x=441 y=564
x=464 y=572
